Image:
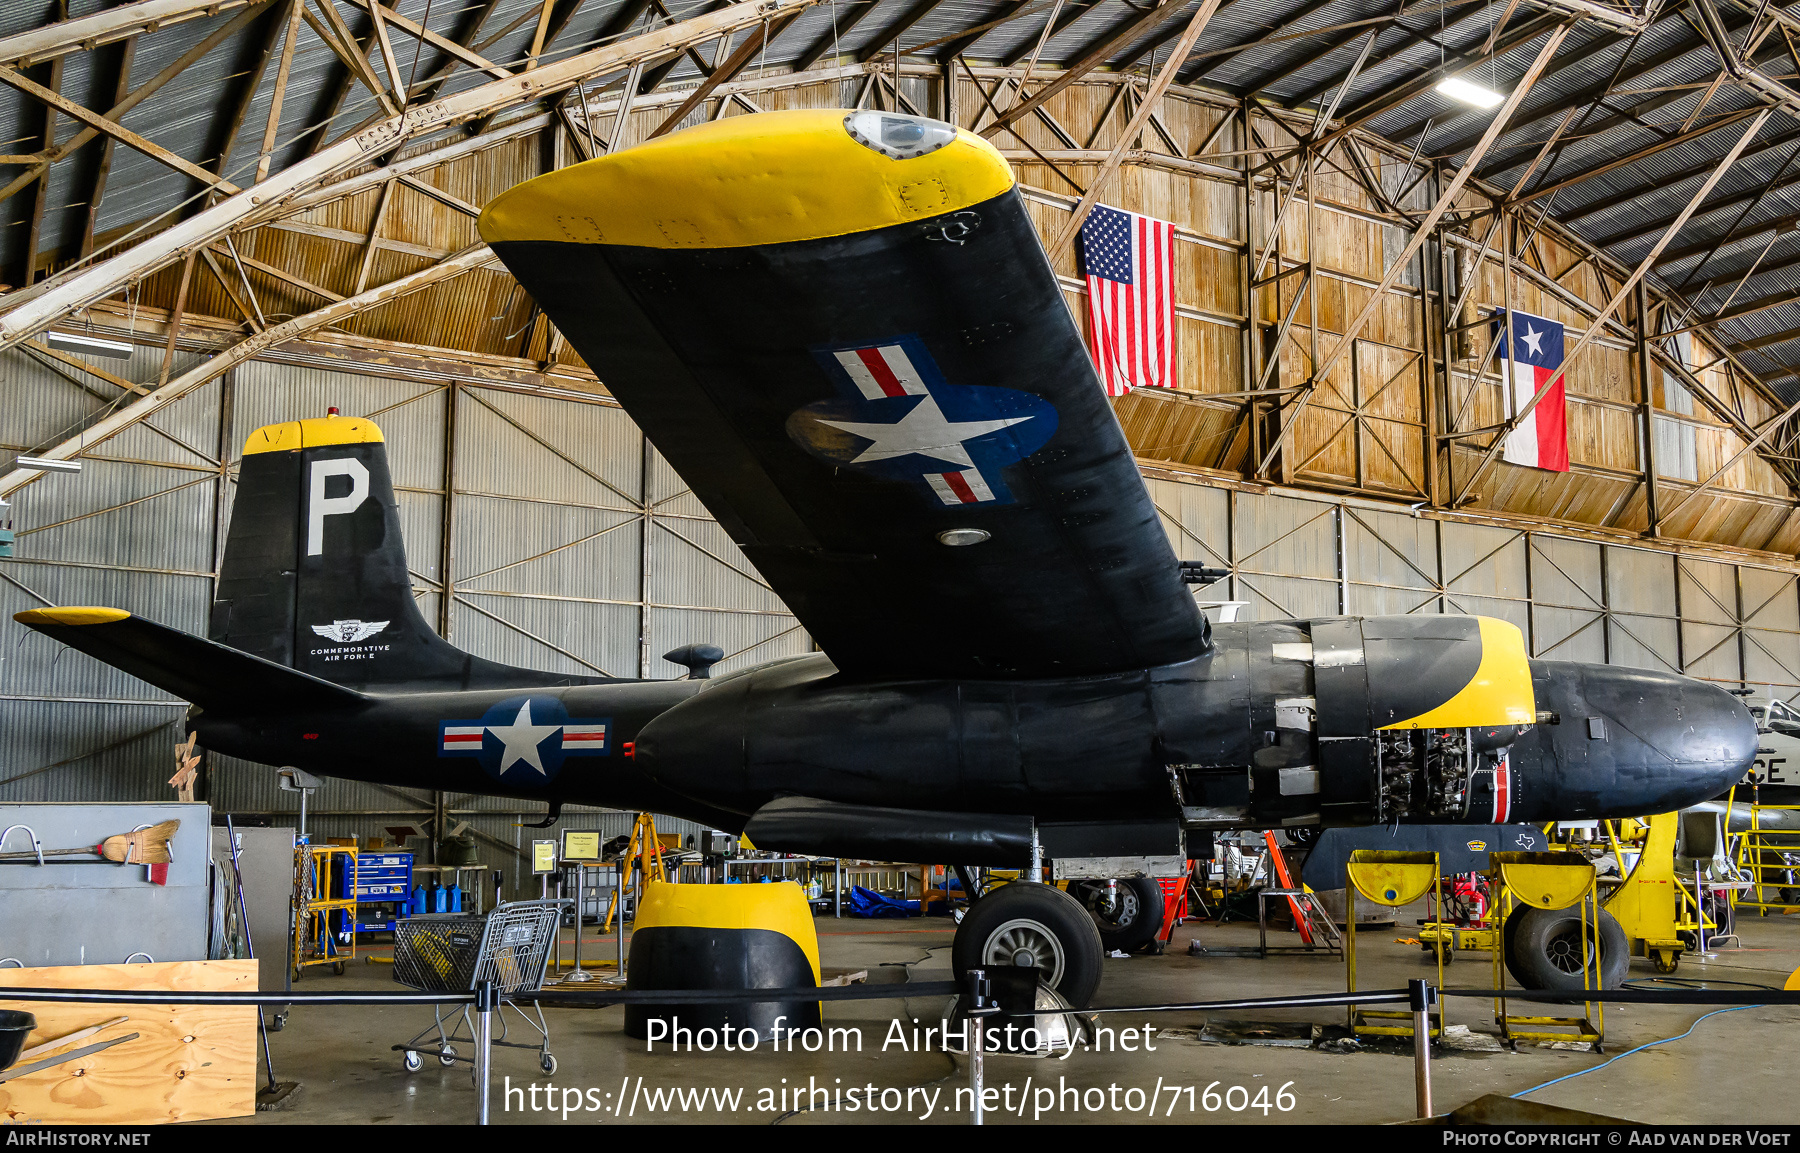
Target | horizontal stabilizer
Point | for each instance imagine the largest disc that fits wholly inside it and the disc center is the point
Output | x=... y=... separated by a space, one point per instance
x=210 y=675
x=830 y=829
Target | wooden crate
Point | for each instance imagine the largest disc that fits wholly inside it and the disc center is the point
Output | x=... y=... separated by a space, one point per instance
x=188 y=1063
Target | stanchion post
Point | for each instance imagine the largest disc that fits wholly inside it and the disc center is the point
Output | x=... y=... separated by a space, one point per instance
x=486 y=1000
x=619 y=925
x=1420 y=995
x=981 y=1007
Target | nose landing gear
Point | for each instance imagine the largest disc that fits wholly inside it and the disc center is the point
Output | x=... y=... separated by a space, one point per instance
x=1023 y=923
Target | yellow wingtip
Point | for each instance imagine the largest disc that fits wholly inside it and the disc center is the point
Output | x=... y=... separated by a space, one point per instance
x=767 y=178
x=70 y=615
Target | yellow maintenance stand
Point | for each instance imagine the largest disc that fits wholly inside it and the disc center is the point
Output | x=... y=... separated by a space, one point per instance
x=1763 y=854
x=1547 y=881
x=319 y=872
x=1393 y=879
x=1645 y=905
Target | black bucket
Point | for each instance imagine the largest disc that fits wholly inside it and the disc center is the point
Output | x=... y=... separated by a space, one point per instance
x=15 y=1026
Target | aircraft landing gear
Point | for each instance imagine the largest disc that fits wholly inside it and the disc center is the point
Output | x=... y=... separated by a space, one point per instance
x=1024 y=923
x=1128 y=912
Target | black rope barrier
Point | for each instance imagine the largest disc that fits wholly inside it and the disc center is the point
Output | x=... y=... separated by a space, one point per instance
x=600 y=998
x=186 y=997
x=1636 y=996
x=1298 y=1001
x=604 y=997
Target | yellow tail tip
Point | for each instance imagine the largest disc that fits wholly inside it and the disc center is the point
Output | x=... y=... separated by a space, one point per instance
x=73 y=615
x=314 y=432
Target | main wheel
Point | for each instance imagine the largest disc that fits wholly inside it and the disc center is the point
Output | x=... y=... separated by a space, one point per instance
x=1131 y=916
x=1509 y=933
x=1025 y=923
x=1550 y=949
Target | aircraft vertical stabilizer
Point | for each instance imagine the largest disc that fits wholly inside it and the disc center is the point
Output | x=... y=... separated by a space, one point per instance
x=315 y=576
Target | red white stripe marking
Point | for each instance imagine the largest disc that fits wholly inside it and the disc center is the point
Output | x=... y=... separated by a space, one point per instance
x=576 y=737
x=1502 y=790
x=883 y=371
x=965 y=487
x=463 y=737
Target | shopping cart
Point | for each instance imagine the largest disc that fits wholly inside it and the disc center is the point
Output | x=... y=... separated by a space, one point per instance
x=454 y=953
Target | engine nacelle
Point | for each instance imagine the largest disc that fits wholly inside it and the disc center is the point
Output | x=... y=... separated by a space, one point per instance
x=1356 y=721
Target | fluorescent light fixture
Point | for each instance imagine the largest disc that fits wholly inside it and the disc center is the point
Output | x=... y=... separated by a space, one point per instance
x=90 y=345
x=40 y=464
x=1457 y=88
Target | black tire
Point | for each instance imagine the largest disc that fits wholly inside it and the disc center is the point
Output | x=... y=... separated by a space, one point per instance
x=1550 y=949
x=1134 y=916
x=1509 y=932
x=1039 y=920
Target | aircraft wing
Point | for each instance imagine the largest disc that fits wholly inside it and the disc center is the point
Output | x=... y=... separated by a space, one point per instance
x=853 y=350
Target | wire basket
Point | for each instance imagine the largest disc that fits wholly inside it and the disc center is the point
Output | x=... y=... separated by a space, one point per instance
x=453 y=952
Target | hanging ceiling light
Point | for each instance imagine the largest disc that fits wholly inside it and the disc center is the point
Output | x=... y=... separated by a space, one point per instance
x=1469 y=92
x=89 y=345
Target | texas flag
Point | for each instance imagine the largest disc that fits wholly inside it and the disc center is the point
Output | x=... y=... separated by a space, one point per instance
x=1528 y=361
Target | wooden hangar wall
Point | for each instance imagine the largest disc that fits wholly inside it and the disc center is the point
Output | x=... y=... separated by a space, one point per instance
x=571 y=546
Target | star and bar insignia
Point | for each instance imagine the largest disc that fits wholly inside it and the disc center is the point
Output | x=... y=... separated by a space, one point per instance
x=896 y=417
x=527 y=737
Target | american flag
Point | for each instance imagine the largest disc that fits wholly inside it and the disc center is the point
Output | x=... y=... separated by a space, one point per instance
x=1130 y=265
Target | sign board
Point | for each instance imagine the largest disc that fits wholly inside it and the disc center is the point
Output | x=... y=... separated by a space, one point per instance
x=580 y=846
x=543 y=857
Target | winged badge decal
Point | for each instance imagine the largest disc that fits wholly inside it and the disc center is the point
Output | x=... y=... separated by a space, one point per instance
x=349 y=632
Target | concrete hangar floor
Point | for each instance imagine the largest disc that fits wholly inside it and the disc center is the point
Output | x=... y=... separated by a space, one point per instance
x=1736 y=1067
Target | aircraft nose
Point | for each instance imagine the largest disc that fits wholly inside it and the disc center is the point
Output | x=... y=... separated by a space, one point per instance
x=1706 y=731
x=1637 y=741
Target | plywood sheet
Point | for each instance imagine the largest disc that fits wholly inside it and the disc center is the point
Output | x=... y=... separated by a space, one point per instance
x=188 y=1063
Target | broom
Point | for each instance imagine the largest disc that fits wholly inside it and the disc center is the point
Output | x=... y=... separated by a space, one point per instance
x=146 y=847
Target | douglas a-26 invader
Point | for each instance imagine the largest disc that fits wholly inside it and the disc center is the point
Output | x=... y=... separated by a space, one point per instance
x=842 y=331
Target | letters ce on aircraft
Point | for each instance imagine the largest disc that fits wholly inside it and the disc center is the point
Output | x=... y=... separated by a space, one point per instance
x=842 y=331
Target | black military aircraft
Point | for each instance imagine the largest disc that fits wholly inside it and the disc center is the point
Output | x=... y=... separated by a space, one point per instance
x=843 y=332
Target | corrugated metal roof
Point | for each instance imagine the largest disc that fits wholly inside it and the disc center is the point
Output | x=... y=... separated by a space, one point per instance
x=1667 y=66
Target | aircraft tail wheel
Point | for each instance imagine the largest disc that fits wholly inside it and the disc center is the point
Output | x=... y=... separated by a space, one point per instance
x=1549 y=948
x=1133 y=915
x=1036 y=925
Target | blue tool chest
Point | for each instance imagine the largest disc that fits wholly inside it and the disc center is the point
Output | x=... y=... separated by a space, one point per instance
x=384 y=882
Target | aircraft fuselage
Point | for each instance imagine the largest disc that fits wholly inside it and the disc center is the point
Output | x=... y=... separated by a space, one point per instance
x=1217 y=741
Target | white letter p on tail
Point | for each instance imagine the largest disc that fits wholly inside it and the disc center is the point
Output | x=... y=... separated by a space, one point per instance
x=319 y=506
